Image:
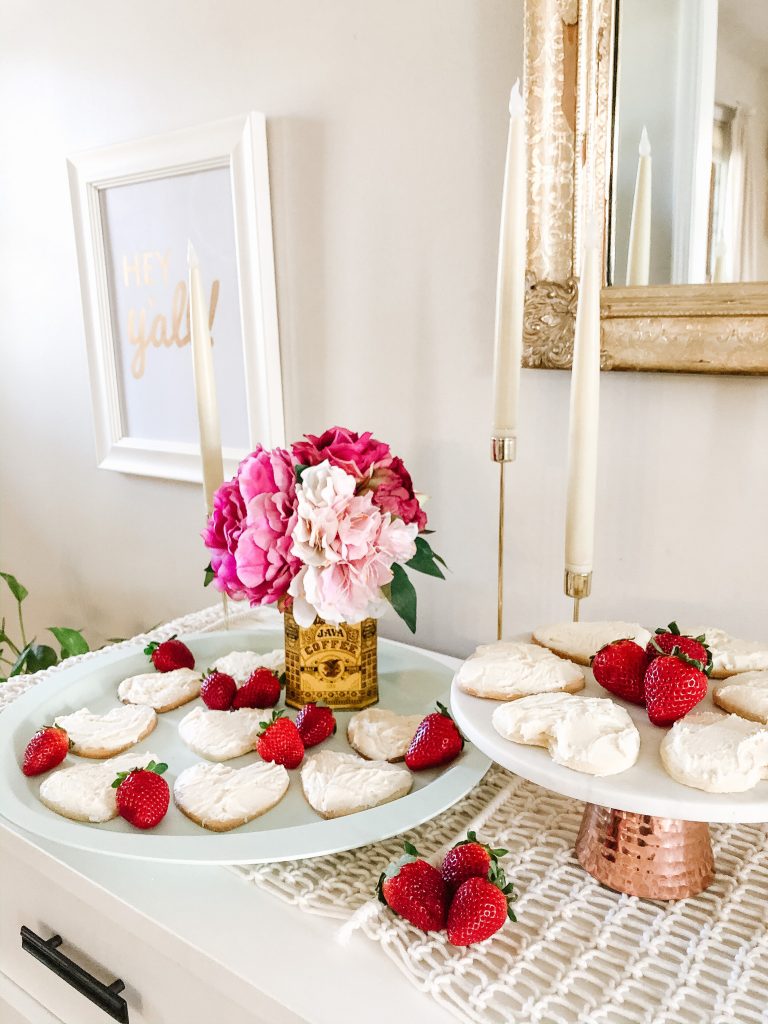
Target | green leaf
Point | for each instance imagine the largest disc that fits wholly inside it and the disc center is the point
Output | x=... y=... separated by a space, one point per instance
x=299 y=469
x=403 y=596
x=18 y=665
x=72 y=641
x=210 y=575
x=424 y=560
x=5 y=639
x=18 y=591
x=41 y=656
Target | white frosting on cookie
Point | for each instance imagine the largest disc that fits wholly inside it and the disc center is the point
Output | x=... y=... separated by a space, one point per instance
x=745 y=694
x=84 y=791
x=589 y=734
x=729 y=654
x=222 y=795
x=111 y=730
x=220 y=735
x=582 y=640
x=717 y=753
x=242 y=664
x=159 y=689
x=508 y=669
x=336 y=783
x=382 y=735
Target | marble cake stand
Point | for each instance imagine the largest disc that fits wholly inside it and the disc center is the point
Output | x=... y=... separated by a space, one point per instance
x=642 y=833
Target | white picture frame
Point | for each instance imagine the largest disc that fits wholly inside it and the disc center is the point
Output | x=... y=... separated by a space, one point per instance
x=238 y=144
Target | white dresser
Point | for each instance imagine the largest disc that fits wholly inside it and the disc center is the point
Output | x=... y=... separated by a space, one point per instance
x=192 y=945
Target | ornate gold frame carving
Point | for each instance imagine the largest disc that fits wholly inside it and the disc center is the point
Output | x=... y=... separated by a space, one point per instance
x=684 y=328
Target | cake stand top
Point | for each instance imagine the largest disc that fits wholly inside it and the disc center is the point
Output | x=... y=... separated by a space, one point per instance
x=646 y=788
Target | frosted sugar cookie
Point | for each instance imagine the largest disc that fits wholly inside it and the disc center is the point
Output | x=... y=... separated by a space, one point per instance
x=336 y=784
x=745 y=694
x=108 y=733
x=381 y=735
x=84 y=792
x=731 y=655
x=162 y=691
x=589 y=734
x=716 y=753
x=242 y=664
x=508 y=670
x=221 y=735
x=580 y=641
x=219 y=797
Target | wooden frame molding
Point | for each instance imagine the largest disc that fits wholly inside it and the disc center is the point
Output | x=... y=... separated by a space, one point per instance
x=569 y=110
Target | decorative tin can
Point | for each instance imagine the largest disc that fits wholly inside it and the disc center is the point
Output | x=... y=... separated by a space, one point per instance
x=332 y=664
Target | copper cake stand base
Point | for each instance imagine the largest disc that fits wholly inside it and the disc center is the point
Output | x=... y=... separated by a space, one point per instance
x=657 y=858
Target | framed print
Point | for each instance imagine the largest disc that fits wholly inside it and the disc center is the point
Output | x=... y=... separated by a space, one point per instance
x=136 y=207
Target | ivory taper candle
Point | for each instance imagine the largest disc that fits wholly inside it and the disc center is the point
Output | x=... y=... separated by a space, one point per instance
x=585 y=408
x=205 y=384
x=510 y=280
x=639 y=254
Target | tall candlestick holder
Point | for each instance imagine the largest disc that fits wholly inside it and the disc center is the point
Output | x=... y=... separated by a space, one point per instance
x=503 y=450
x=578 y=585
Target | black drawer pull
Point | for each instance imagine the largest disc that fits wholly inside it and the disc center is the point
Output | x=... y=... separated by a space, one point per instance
x=105 y=996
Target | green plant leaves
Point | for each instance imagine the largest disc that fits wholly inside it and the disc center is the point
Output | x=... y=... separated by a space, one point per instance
x=402 y=596
x=210 y=575
x=425 y=560
x=71 y=641
x=41 y=656
x=18 y=591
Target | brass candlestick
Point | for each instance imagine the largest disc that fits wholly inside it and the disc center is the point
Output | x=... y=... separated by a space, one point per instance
x=577 y=586
x=503 y=450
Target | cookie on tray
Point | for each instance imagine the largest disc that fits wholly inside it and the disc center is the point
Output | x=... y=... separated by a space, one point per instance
x=163 y=691
x=745 y=694
x=219 y=797
x=336 y=783
x=378 y=734
x=730 y=655
x=105 y=734
x=715 y=752
x=580 y=641
x=84 y=792
x=242 y=664
x=509 y=670
x=221 y=735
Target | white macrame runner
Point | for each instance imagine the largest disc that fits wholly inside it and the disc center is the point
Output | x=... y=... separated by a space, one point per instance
x=579 y=953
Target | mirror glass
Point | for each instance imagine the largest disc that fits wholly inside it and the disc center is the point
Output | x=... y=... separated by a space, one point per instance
x=693 y=208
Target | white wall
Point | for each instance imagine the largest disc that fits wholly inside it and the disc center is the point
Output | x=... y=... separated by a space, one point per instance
x=387 y=133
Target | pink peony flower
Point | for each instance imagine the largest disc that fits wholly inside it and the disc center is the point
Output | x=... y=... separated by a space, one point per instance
x=393 y=491
x=347 y=546
x=352 y=452
x=221 y=536
x=263 y=556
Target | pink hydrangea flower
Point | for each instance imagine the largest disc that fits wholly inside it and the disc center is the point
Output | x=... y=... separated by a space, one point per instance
x=347 y=546
x=355 y=453
x=221 y=536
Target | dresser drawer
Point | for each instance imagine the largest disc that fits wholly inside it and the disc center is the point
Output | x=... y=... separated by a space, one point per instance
x=165 y=981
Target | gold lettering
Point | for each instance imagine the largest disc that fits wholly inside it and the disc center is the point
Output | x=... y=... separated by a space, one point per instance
x=131 y=268
x=146 y=264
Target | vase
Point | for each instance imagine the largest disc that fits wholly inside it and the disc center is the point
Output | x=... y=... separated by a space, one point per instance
x=332 y=664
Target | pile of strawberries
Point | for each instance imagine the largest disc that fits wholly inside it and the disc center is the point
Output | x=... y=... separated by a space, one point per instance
x=469 y=896
x=668 y=677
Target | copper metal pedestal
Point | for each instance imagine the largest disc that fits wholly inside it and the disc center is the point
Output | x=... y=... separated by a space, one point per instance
x=657 y=858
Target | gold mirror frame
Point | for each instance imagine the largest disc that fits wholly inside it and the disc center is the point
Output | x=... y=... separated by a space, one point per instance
x=720 y=328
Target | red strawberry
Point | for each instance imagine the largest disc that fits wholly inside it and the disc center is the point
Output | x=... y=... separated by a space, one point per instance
x=415 y=890
x=218 y=691
x=620 y=667
x=468 y=859
x=47 y=748
x=315 y=724
x=142 y=795
x=480 y=907
x=436 y=741
x=169 y=655
x=674 y=683
x=279 y=741
x=664 y=641
x=262 y=690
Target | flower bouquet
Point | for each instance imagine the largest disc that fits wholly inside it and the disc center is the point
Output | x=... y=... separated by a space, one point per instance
x=326 y=532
